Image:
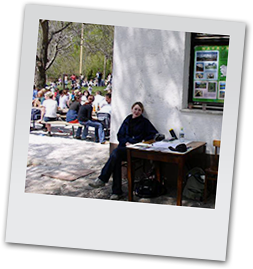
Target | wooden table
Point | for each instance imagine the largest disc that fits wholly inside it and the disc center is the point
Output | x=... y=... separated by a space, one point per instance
x=197 y=148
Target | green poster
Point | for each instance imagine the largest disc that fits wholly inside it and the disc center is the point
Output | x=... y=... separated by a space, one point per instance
x=210 y=70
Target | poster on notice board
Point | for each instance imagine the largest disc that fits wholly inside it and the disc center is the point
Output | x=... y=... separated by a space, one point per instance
x=210 y=69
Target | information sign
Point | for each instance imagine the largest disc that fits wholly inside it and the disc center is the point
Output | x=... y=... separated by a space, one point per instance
x=210 y=71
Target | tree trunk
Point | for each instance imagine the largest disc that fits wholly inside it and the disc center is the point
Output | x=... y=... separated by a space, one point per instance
x=81 y=52
x=42 y=57
x=40 y=77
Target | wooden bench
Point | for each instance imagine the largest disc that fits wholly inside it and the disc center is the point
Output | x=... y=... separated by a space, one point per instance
x=65 y=123
x=60 y=122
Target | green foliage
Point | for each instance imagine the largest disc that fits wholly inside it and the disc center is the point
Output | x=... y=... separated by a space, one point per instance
x=97 y=44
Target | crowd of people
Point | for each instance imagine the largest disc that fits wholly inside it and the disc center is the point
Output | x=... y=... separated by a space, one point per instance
x=78 y=82
x=81 y=107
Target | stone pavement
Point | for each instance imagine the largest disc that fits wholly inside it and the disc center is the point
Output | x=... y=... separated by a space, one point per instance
x=62 y=151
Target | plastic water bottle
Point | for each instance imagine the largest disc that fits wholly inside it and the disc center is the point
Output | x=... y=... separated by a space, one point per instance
x=181 y=135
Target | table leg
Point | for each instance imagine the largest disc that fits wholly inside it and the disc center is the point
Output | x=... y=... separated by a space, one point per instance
x=129 y=176
x=157 y=171
x=73 y=131
x=180 y=182
x=204 y=157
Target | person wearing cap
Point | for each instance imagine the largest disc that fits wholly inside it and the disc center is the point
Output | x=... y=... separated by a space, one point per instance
x=48 y=112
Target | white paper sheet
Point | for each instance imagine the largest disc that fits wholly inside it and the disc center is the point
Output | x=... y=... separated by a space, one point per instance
x=160 y=146
x=174 y=143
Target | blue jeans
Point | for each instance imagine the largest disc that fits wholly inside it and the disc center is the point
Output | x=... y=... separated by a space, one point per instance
x=99 y=130
x=113 y=166
x=105 y=119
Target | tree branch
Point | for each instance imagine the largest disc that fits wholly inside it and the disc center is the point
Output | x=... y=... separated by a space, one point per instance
x=58 y=31
x=53 y=58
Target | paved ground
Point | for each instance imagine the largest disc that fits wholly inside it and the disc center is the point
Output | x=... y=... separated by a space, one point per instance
x=63 y=152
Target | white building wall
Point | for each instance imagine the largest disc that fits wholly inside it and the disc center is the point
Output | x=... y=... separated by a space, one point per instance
x=152 y=66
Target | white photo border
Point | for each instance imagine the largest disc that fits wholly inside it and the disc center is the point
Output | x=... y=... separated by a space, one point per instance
x=123 y=226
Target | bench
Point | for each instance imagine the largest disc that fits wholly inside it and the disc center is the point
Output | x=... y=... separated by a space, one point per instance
x=60 y=122
x=65 y=123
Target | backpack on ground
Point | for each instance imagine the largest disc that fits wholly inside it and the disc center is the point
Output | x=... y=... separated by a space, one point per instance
x=195 y=182
x=148 y=186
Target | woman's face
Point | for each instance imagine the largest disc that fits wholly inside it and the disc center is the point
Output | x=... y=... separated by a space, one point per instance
x=137 y=111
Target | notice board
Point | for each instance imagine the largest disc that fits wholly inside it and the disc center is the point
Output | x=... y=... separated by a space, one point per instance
x=210 y=71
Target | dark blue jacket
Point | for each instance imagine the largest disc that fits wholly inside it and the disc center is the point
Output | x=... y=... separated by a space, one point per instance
x=135 y=130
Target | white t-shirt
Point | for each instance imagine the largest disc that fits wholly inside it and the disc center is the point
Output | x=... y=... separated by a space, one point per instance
x=63 y=101
x=51 y=108
x=98 y=100
x=105 y=107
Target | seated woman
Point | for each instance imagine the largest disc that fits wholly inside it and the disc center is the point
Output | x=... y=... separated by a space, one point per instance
x=84 y=97
x=135 y=128
x=73 y=110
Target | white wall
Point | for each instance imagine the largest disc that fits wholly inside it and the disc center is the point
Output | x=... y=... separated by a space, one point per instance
x=152 y=66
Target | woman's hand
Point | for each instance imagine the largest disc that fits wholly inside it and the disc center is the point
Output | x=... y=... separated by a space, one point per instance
x=128 y=144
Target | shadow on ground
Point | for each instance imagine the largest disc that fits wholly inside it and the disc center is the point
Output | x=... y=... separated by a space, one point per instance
x=53 y=153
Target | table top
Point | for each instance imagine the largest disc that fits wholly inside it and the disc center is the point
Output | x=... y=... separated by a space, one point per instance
x=148 y=147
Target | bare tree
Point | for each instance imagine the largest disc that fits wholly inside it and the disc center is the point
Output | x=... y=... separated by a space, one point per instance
x=61 y=41
x=99 y=38
x=52 y=40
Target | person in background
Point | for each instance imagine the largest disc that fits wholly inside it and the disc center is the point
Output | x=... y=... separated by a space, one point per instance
x=66 y=79
x=98 y=100
x=40 y=98
x=104 y=114
x=71 y=97
x=63 y=100
x=81 y=80
x=48 y=112
x=84 y=97
x=135 y=128
x=90 y=88
x=85 y=118
x=105 y=105
x=56 y=95
x=73 y=110
x=73 y=79
x=35 y=92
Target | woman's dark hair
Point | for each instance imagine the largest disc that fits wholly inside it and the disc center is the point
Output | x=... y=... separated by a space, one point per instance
x=88 y=94
x=139 y=104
